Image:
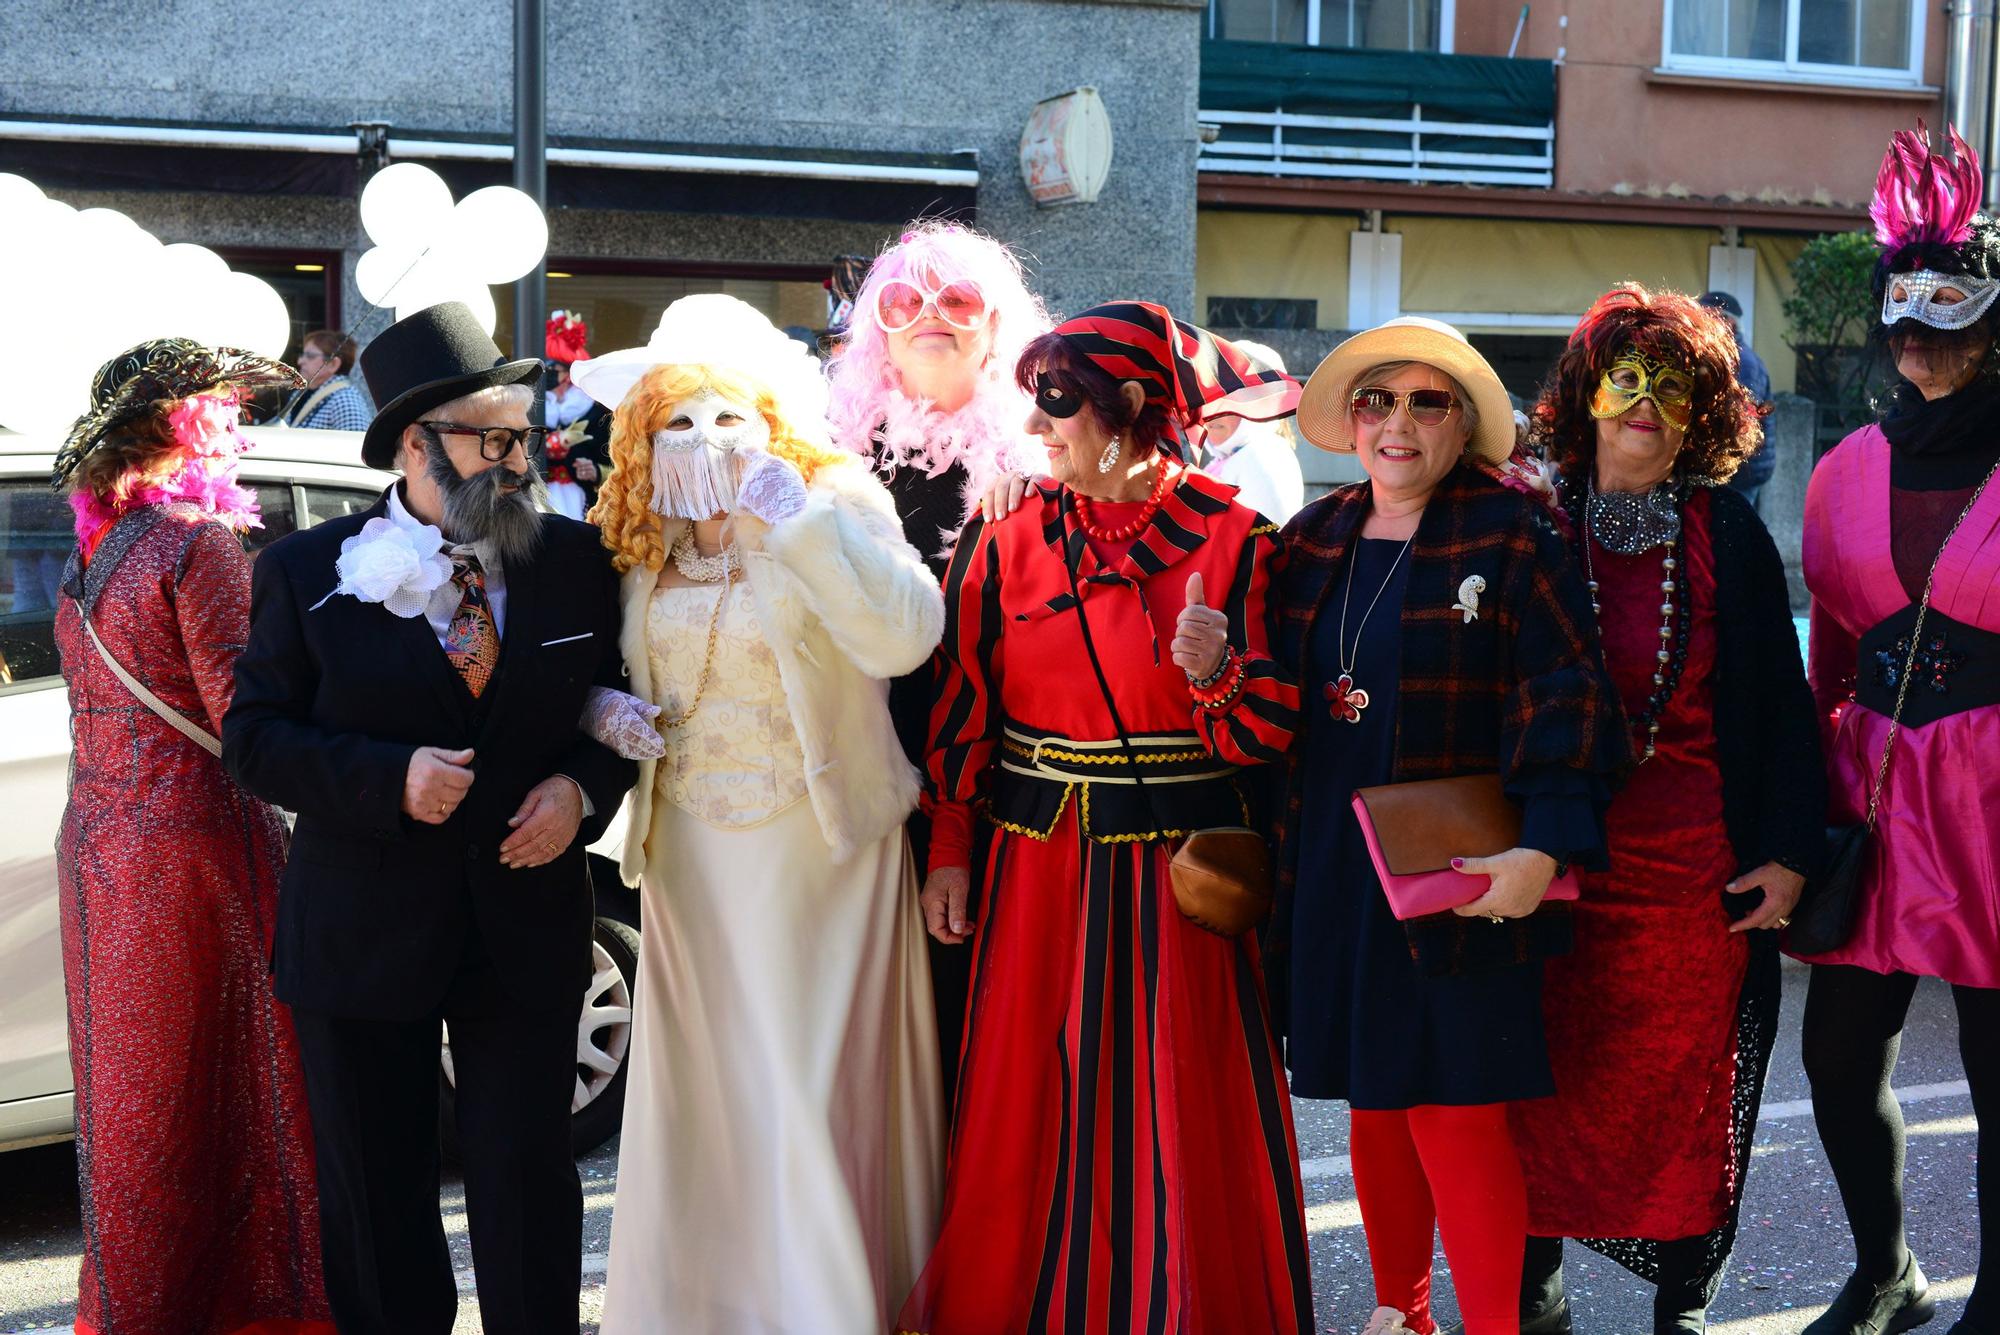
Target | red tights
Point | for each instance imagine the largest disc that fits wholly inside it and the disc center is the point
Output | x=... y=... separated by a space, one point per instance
x=1452 y=1171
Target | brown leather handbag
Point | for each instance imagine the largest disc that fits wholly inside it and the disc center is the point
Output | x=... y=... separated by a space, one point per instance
x=1221 y=875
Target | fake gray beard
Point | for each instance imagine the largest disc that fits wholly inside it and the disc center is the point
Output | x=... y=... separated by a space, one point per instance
x=693 y=484
x=478 y=509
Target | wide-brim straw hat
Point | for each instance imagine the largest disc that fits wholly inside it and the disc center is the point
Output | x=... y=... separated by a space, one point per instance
x=1323 y=414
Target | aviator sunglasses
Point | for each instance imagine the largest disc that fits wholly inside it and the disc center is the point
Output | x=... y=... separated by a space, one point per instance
x=1374 y=405
x=901 y=304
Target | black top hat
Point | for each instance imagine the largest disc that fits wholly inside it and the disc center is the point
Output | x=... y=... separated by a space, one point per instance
x=437 y=355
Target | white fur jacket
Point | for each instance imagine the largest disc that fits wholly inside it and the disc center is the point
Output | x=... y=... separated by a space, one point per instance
x=845 y=604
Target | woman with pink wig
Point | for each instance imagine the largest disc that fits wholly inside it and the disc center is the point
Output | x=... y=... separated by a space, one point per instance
x=924 y=388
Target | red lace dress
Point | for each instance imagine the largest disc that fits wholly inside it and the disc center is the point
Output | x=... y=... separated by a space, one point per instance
x=194 y=1153
x=1642 y=1018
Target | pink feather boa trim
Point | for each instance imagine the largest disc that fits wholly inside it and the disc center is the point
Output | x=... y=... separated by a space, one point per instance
x=205 y=426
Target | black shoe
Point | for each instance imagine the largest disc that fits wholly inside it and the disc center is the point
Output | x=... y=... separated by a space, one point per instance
x=1681 y=1321
x=1548 y=1320
x=1962 y=1327
x=1862 y=1308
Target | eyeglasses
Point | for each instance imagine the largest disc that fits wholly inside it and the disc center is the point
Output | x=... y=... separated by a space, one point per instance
x=1374 y=405
x=495 y=442
x=901 y=304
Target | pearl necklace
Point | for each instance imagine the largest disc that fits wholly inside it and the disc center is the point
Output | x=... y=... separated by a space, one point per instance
x=1162 y=480
x=1671 y=657
x=704 y=569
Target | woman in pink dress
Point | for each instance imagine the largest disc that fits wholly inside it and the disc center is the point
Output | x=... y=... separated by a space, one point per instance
x=1896 y=513
x=193 y=1150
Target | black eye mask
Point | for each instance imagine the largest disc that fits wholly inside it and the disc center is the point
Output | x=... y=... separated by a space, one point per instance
x=1054 y=401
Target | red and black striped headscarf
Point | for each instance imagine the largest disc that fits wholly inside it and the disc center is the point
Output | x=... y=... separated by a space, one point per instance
x=1195 y=374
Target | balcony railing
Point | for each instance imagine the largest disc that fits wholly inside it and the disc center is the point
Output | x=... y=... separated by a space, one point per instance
x=1377 y=115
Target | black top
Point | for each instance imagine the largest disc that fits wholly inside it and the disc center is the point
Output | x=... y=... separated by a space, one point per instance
x=932 y=510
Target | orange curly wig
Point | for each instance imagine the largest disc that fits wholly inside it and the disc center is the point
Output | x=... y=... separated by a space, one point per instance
x=623 y=511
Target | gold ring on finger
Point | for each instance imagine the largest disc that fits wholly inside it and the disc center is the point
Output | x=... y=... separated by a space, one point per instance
x=1784 y=922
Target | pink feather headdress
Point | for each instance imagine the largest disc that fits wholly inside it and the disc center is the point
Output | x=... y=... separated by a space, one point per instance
x=1924 y=198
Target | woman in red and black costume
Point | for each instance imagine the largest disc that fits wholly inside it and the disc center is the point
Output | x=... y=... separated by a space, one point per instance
x=1123 y=1155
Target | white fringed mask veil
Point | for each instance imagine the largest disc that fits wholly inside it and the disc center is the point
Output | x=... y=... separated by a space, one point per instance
x=698 y=456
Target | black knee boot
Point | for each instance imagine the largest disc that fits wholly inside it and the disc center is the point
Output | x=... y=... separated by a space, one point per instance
x=1680 y=1301
x=1544 y=1306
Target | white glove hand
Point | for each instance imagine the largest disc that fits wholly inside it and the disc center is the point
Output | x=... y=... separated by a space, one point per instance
x=771 y=489
x=622 y=722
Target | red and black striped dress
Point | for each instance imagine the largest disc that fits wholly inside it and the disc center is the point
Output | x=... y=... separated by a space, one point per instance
x=1123 y=1156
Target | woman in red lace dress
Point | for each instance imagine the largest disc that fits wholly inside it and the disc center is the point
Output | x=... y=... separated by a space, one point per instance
x=1122 y=1156
x=194 y=1154
x=1660 y=1023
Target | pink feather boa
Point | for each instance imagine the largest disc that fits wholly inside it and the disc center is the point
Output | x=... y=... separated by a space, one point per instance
x=985 y=435
x=205 y=475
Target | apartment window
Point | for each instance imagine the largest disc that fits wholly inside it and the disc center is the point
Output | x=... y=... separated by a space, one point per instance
x=1382 y=25
x=1844 y=41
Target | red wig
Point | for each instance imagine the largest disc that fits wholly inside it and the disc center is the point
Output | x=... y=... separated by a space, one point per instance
x=1724 y=425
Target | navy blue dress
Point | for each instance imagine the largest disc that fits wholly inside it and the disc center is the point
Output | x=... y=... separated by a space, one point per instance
x=1366 y=1025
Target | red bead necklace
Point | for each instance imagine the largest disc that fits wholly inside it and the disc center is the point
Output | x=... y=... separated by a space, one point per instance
x=1163 y=479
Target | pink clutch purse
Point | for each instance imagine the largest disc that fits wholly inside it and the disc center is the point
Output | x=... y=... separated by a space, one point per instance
x=1414 y=830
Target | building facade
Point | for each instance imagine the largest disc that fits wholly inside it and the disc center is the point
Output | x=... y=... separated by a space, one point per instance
x=736 y=146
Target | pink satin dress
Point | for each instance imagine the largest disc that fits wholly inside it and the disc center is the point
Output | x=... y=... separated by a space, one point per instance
x=1931 y=884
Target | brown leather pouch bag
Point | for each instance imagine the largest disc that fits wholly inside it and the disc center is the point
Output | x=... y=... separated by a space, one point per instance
x=1421 y=826
x=1222 y=879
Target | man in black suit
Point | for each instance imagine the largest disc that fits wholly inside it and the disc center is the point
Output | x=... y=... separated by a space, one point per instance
x=425 y=730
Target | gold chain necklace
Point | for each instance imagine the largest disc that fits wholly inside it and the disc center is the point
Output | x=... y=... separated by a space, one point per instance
x=666 y=724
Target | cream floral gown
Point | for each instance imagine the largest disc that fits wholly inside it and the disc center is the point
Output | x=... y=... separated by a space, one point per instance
x=777 y=1171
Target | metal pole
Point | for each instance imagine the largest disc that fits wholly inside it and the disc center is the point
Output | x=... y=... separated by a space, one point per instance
x=531 y=162
x=1969 y=77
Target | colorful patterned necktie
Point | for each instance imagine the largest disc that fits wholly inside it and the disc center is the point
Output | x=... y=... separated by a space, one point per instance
x=472 y=641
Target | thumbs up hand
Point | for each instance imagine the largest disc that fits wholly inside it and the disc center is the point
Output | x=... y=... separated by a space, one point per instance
x=1202 y=634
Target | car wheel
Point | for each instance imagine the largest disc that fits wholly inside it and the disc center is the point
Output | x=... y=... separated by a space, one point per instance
x=603 y=1044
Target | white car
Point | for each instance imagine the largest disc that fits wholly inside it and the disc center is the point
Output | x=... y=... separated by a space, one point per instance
x=301 y=478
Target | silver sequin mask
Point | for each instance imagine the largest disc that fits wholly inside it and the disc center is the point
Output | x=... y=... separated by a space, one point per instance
x=1918 y=298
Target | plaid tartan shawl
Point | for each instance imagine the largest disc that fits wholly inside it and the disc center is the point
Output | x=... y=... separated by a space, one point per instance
x=1521 y=688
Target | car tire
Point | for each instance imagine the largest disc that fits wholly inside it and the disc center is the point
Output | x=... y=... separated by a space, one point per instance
x=603 y=1047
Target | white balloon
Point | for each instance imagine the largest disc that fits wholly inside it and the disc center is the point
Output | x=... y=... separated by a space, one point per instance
x=381 y=272
x=16 y=194
x=498 y=234
x=405 y=204
x=184 y=258
x=261 y=321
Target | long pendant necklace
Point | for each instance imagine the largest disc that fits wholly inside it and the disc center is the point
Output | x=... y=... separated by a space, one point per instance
x=702 y=570
x=1343 y=697
x=1671 y=657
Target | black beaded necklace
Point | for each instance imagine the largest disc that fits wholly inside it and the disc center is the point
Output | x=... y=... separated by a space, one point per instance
x=1670 y=660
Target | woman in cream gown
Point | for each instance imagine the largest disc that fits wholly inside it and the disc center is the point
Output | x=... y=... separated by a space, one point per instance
x=782 y=1152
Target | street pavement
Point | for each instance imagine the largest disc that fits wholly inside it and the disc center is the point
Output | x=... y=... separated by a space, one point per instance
x=1791 y=1257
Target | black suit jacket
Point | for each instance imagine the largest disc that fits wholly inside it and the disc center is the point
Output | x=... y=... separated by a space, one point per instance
x=374 y=908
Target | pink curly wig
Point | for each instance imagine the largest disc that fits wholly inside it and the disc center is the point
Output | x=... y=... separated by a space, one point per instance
x=867 y=392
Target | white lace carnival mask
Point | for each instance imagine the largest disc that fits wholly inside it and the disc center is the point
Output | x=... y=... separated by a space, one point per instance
x=696 y=455
x=709 y=420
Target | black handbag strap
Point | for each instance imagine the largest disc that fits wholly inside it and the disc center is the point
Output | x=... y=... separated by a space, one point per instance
x=1069 y=560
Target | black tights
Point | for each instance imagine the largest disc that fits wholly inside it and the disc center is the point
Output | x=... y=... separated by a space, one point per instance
x=1853 y=1030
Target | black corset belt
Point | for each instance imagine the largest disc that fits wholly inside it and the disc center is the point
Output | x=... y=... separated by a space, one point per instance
x=1957 y=667
x=1036 y=775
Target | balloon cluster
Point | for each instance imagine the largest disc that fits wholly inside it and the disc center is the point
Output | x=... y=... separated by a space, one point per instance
x=80 y=286
x=428 y=249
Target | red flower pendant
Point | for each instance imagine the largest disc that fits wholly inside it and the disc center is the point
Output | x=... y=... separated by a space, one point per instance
x=1344 y=699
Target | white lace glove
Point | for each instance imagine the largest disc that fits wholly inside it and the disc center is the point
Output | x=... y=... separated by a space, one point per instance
x=771 y=489
x=622 y=722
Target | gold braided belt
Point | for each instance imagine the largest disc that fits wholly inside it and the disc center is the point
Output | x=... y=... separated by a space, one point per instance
x=1186 y=786
x=1174 y=757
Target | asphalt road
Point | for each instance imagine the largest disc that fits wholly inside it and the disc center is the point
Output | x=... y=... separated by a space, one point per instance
x=1792 y=1255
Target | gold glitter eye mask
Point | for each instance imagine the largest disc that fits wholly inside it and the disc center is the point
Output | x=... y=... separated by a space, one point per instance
x=1635 y=376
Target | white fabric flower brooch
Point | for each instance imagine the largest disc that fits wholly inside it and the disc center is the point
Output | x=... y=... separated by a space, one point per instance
x=400 y=568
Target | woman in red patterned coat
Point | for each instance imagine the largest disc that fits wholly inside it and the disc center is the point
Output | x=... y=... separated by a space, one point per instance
x=193 y=1149
x=1123 y=1155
